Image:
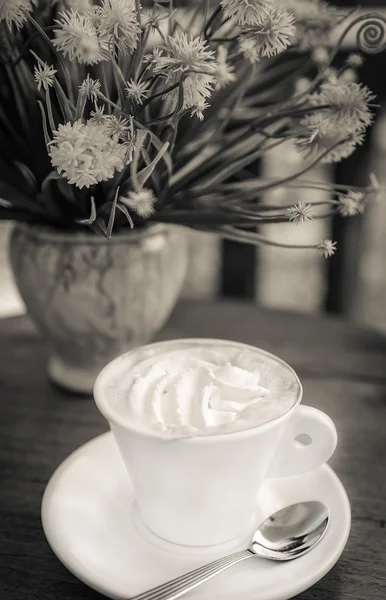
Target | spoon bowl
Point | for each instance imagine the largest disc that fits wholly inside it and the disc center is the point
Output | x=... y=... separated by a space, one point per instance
x=291 y=532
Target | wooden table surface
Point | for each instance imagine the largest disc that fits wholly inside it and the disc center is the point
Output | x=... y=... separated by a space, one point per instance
x=342 y=367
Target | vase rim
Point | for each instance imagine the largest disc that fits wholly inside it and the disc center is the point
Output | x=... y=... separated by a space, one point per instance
x=47 y=233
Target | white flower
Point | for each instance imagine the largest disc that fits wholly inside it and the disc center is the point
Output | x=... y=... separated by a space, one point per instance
x=300 y=213
x=141 y=202
x=118 y=23
x=77 y=38
x=98 y=115
x=245 y=12
x=224 y=71
x=198 y=110
x=318 y=135
x=354 y=60
x=375 y=192
x=117 y=126
x=344 y=149
x=320 y=55
x=85 y=153
x=14 y=12
x=302 y=84
x=90 y=87
x=326 y=248
x=349 y=104
x=272 y=36
x=315 y=21
x=137 y=91
x=182 y=57
x=331 y=75
x=44 y=76
x=349 y=75
x=249 y=49
x=351 y=204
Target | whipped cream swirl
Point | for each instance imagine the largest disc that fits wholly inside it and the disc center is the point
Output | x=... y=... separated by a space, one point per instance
x=183 y=392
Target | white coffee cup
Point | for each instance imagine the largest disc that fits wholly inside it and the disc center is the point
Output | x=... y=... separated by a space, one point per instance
x=201 y=491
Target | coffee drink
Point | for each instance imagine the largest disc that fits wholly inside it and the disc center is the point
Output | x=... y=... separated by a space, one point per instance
x=199 y=387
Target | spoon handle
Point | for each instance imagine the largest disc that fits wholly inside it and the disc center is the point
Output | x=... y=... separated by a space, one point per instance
x=185 y=583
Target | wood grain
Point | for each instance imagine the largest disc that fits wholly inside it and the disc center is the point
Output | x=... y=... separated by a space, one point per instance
x=342 y=367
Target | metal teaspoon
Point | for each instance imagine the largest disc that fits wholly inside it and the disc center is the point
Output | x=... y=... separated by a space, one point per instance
x=285 y=535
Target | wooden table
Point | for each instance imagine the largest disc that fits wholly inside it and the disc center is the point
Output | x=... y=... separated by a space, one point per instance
x=342 y=366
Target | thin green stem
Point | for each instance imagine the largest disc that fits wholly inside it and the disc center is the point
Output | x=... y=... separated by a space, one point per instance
x=80 y=105
x=138 y=70
x=113 y=105
x=156 y=26
x=317 y=160
x=170 y=24
x=256 y=239
x=49 y=111
x=44 y=123
x=157 y=95
x=229 y=170
x=211 y=21
x=328 y=187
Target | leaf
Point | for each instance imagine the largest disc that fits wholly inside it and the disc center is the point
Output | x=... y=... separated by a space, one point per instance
x=10 y=176
x=27 y=174
x=18 y=96
x=54 y=188
x=240 y=149
x=196 y=161
x=155 y=140
x=119 y=80
x=40 y=61
x=19 y=200
x=99 y=227
x=144 y=175
x=65 y=105
x=81 y=103
x=110 y=224
x=92 y=216
x=141 y=136
x=44 y=123
x=196 y=13
x=9 y=214
x=14 y=139
x=123 y=209
x=225 y=172
x=49 y=111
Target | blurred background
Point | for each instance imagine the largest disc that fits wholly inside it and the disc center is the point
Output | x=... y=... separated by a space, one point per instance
x=352 y=283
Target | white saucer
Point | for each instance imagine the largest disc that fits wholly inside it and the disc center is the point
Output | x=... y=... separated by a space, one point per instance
x=88 y=518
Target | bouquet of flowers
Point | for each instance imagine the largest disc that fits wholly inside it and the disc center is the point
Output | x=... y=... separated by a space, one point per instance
x=115 y=115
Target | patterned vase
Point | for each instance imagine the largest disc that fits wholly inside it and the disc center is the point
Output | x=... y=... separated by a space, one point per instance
x=94 y=298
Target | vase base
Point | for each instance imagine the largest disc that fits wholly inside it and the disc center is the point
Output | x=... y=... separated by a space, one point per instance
x=71 y=378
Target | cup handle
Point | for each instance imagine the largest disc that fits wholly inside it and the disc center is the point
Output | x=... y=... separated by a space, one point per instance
x=293 y=457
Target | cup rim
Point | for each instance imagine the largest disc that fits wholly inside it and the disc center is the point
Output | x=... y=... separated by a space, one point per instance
x=114 y=418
